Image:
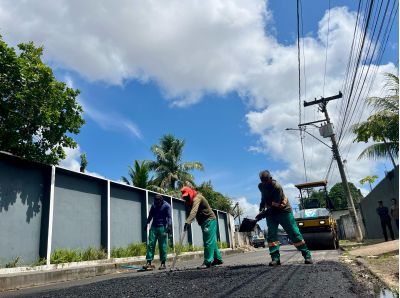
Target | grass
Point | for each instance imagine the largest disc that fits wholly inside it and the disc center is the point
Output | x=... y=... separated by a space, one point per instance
x=60 y=256
x=222 y=245
x=76 y=255
x=39 y=262
x=132 y=250
x=13 y=263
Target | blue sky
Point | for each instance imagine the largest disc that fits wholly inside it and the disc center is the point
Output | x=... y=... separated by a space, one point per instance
x=220 y=75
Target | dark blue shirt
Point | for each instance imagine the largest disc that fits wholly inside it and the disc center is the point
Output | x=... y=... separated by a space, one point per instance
x=161 y=215
x=383 y=213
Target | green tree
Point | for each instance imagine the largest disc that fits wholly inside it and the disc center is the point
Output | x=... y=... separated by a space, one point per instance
x=320 y=196
x=369 y=179
x=37 y=112
x=338 y=195
x=170 y=170
x=84 y=163
x=383 y=125
x=216 y=199
x=138 y=175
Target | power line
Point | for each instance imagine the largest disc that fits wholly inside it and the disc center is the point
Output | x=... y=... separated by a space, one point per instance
x=299 y=73
x=327 y=45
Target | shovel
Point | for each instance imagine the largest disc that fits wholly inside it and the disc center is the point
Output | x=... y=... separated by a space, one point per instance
x=248 y=225
x=176 y=252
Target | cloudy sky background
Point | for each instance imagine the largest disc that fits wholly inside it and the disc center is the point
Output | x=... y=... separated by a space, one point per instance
x=222 y=75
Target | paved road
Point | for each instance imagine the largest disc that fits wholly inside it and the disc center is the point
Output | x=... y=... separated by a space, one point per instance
x=242 y=275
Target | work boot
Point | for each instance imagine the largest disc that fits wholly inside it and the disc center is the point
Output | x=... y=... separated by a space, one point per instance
x=217 y=262
x=308 y=261
x=274 y=263
x=204 y=266
x=148 y=266
x=162 y=266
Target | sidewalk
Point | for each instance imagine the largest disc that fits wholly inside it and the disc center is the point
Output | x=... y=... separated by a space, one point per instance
x=376 y=249
x=380 y=259
x=18 y=278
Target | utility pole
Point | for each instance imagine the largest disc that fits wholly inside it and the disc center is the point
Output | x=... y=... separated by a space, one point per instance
x=335 y=149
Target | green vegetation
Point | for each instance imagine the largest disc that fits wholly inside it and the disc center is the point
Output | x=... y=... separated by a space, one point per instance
x=132 y=250
x=84 y=163
x=338 y=195
x=38 y=114
x=139 y=249
x=216 y=199
x=39 y=262
x=222 y=245
x=170 y=171
x=13 y=263
x=383 y=125
x=186 y=248
x=76 y=255
x=369 y=179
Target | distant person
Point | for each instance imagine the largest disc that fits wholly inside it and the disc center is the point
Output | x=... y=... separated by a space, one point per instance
x=383 y=213
x=160 y=213
x=201 y=210
x=276 y=209
x=394 y=212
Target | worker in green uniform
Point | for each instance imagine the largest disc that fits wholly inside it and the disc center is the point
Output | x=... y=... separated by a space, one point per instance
x=201 y=210
x=160 y=213
x=276 y=209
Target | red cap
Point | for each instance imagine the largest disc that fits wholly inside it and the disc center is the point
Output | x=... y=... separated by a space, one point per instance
x=187 y=191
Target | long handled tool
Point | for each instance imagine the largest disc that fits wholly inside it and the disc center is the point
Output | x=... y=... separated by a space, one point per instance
x=176 y=252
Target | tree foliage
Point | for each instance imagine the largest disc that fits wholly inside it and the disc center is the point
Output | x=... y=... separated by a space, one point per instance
x=138 y=175
x=84 y=163
x=369 y=180
x=170 y=170
x=216 y=199
x=383 y=125
x=37 y=112
x=338 y=195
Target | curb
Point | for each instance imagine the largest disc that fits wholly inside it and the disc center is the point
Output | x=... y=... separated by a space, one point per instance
x=360 y=262
x=26 y=279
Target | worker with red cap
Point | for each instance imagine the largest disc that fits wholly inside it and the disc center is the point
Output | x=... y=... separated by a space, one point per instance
x=201 y=210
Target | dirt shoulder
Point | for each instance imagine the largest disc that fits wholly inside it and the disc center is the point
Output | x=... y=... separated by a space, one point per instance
x=376 y=265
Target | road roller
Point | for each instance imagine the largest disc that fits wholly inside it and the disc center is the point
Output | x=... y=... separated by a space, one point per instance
x=315 y=222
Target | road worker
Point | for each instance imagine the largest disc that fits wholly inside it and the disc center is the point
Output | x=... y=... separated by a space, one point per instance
x=276 y=209
x=161 y=227
x=201 y=210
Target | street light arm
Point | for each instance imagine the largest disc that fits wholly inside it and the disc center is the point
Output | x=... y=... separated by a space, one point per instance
x=310 y=135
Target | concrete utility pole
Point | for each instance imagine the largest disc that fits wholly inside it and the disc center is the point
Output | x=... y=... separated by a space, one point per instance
x=335 y=149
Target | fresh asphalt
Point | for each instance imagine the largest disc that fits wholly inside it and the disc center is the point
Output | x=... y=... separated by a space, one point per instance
x=242 y=275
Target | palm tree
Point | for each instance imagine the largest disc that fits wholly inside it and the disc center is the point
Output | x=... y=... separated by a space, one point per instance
x=169 y=168
x=369 y=179
x=138 y=175
x=383 y=125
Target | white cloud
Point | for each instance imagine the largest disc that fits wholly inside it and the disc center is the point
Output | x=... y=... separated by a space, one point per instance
x=72 y=161
x=111 y=121
x=189 y=48
x=249 y=210
x=193 y=48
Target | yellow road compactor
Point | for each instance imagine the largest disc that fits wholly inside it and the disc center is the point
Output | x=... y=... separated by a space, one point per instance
x=315 y=222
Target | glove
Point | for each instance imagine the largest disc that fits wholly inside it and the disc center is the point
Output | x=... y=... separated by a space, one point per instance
x=145 y=227
x=168 y=229
x=186 y=227
x=262 y=214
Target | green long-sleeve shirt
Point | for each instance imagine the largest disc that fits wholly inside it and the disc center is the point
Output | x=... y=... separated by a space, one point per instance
x=200 y=210
x=272 y=193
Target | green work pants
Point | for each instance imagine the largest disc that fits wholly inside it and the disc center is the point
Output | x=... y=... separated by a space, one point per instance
x=157 y=233
x=211 y=251
x=287 y=221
